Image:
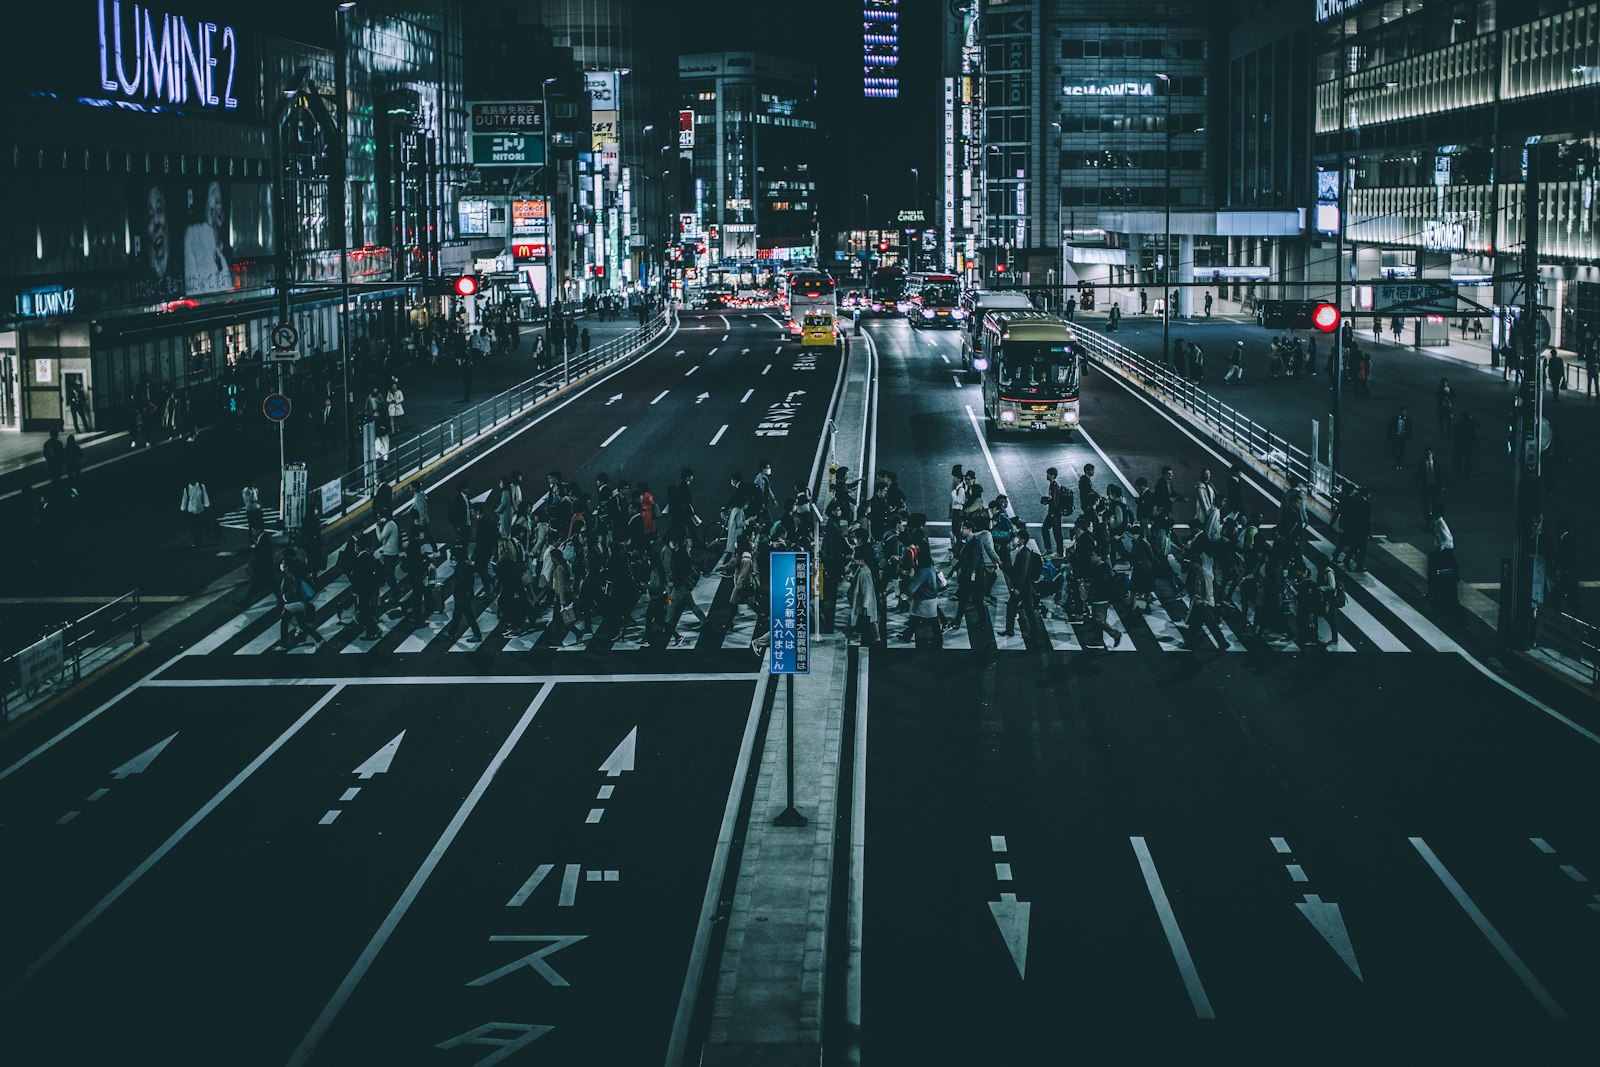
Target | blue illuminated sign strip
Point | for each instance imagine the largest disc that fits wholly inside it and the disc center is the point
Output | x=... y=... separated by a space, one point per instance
x=790 y=612
x=880 y=48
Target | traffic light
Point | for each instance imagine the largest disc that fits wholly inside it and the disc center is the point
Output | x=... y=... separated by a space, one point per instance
x=883 y=246
x=1325 y=318
x=467 y=285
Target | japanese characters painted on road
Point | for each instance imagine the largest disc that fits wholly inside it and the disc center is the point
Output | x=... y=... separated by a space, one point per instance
x=790 y=614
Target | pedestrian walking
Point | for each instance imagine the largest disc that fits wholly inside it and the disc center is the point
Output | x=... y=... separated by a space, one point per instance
x=1022 y=600
x=1399 y=436
x=463 y=588
x=54 y=456
x=193 y=504
x=1100 y=589
x=1430 y=487
x=863 y=615
x=1057 y=501
x=679 y=565
x=294 y=597
x=1201 y=586
x=1555 y=369
x=1235 y=361
x=1444 y=403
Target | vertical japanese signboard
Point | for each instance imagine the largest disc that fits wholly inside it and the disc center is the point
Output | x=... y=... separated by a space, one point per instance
x=790 y=582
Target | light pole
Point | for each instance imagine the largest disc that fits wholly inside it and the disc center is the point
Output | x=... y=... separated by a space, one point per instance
x=550 y=243
x=1166 y=244
x=916 y=205
x=341 y=89
x=1061 y=277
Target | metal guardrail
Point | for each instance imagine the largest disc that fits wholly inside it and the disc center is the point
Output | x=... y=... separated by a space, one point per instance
x=1575 y=638
x=63 y=655
x=1271 y=454
x=410 y=456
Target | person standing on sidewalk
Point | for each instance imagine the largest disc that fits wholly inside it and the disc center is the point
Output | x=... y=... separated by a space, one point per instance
x=53 y=456
x=1444 y=403
x=1399 y=435
x=1591 y=367
x=1430 y=486
x=72 y=463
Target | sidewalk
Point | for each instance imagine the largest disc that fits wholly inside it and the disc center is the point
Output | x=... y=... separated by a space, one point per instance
x=1477 y=509
x=124 y=530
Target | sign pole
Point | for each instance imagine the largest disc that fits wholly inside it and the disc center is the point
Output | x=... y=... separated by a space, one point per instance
x=789 y=648
x=789 y=816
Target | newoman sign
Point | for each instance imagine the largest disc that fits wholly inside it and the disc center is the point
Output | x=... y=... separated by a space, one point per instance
x=150 y=56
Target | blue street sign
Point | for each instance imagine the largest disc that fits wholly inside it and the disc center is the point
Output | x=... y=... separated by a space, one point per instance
x=276 y=407
x=790 y=612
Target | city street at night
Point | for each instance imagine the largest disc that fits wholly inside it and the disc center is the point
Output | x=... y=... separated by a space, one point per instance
x=599 y=532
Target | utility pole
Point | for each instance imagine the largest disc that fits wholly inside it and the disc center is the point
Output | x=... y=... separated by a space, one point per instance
x=1336 y=379
x=1527 y=564
x=1166 y=244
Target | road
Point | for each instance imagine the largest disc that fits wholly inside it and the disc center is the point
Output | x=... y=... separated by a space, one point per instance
x=416 y=849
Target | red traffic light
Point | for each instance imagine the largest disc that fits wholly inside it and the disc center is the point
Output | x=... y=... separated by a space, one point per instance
x=1325 y=318
x=883 y=246
x=999 y=268
x=466 y=285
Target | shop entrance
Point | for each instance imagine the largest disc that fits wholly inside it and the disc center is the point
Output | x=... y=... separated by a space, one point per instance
x=10 y=389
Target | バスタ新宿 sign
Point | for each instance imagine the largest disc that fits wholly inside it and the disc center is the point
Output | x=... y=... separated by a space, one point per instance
x=505 y=133
x=789 y=607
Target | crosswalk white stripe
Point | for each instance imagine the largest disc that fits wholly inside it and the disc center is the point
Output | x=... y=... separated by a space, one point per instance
x=234 y=626
x=1375 y=631
x=1164 y=626
x=1062 y=635
x=486 y=623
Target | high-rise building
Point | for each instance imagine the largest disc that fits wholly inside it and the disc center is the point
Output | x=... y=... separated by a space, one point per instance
x=751 y=182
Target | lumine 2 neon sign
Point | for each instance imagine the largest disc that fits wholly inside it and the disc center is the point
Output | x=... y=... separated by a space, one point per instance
x=153 y=56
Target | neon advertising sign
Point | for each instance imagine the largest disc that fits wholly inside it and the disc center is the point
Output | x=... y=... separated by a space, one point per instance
x=153 y=56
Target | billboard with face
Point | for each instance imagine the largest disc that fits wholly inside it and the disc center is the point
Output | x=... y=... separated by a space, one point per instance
x=182 y=239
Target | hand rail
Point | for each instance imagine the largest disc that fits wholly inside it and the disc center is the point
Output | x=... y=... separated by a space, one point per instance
x=63 y=654
x=401 y=461
x=1271 y=454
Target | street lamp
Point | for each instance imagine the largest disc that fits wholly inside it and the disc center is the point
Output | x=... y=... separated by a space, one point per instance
x=1166 y=244
x=1065 y=236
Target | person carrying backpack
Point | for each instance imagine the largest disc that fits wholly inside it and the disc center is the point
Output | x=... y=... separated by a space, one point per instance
x=294 y=595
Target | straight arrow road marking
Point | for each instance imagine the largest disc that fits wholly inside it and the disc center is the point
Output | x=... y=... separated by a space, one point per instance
x=613 y=437
x=744 y=351
x=378 y=762
x=719 y=433
x=658 y=399
x=679 y=352
x=1011 y=916
x=613 y=400
x=622 y=757
x=140 y=763
x=1169 y=924
x=1486 y=928
x=702 y=398
x=1325 y=919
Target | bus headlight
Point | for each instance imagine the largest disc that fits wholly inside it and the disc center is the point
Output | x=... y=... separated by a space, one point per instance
x=979 y=363
x=959 y=313
x=927 y=313
x=1069 y=416
x=1008 y=416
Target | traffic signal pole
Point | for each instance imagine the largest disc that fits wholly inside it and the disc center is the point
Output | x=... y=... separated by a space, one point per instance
x=1527 y=565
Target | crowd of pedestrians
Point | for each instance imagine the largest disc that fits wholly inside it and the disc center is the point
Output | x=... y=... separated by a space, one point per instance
x=1092 y=548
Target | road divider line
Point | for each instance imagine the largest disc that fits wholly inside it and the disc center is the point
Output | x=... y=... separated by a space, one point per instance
x=1169 y=923
x=658 y=399
x=955 y=380
x=713 y=351
x=336 y=1003
x=719 y=433
x=747 y=395
x=167 y=846
x=944 y=357
x=988 y=457
x=691 y=370
x=613 y=437
x=1486 y=928
x=766 y=368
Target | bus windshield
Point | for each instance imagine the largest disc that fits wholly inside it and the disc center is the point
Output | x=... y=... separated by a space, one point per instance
x=939 y=296
x=1038 y=364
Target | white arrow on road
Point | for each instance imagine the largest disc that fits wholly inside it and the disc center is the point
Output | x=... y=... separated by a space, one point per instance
x=621 y=758
x=744 y=351
x=140 y=763
x=1324 y=916
x=378 y=762
x=679 y=352
x=613 y=400
x=702 y=398
x=1011 y=915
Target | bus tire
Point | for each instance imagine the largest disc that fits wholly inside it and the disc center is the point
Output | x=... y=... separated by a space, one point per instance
x=988 y=429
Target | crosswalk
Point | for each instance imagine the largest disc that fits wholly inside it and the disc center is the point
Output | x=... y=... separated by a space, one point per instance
x=239 y=519
x=1158 y=627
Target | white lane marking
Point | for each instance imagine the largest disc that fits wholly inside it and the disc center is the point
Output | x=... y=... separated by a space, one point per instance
x=605 y=792
x=725 y=325
x=328 y=816
x=955 y=380
x=484 y=679
x=658 y=399
x=766 y=368
x=712 y=352
x=719 y=433
x=1486 y=928
x=777 y=352
x=1002 y=872
x=679 y=352
x=1572 y=872
x=1542 y=845
x=691 y=370
x=336 y=1003
x=236 y=625
x=98 y=793
x=1296 y=872
x=349 y=794
x=613 y=437
x=68 y=817
x=997 y=844
x=944 y=357
x=747 y=395
x=1169 y=923
x=1281 y=846
x=988 y=457
x=166 y=846
x=724 y=337
x=1127 y=483
x=595 y=815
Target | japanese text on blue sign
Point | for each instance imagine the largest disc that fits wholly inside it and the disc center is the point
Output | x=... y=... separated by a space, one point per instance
x=790 y=612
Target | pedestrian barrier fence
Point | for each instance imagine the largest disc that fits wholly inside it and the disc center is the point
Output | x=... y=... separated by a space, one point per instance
x=1269 y=453
x=392 y=464
x=63 y=655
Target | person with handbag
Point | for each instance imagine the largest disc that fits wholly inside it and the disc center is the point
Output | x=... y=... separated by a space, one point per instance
x=294 y=594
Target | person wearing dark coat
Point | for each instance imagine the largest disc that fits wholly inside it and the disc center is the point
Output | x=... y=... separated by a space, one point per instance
x=459 y=512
